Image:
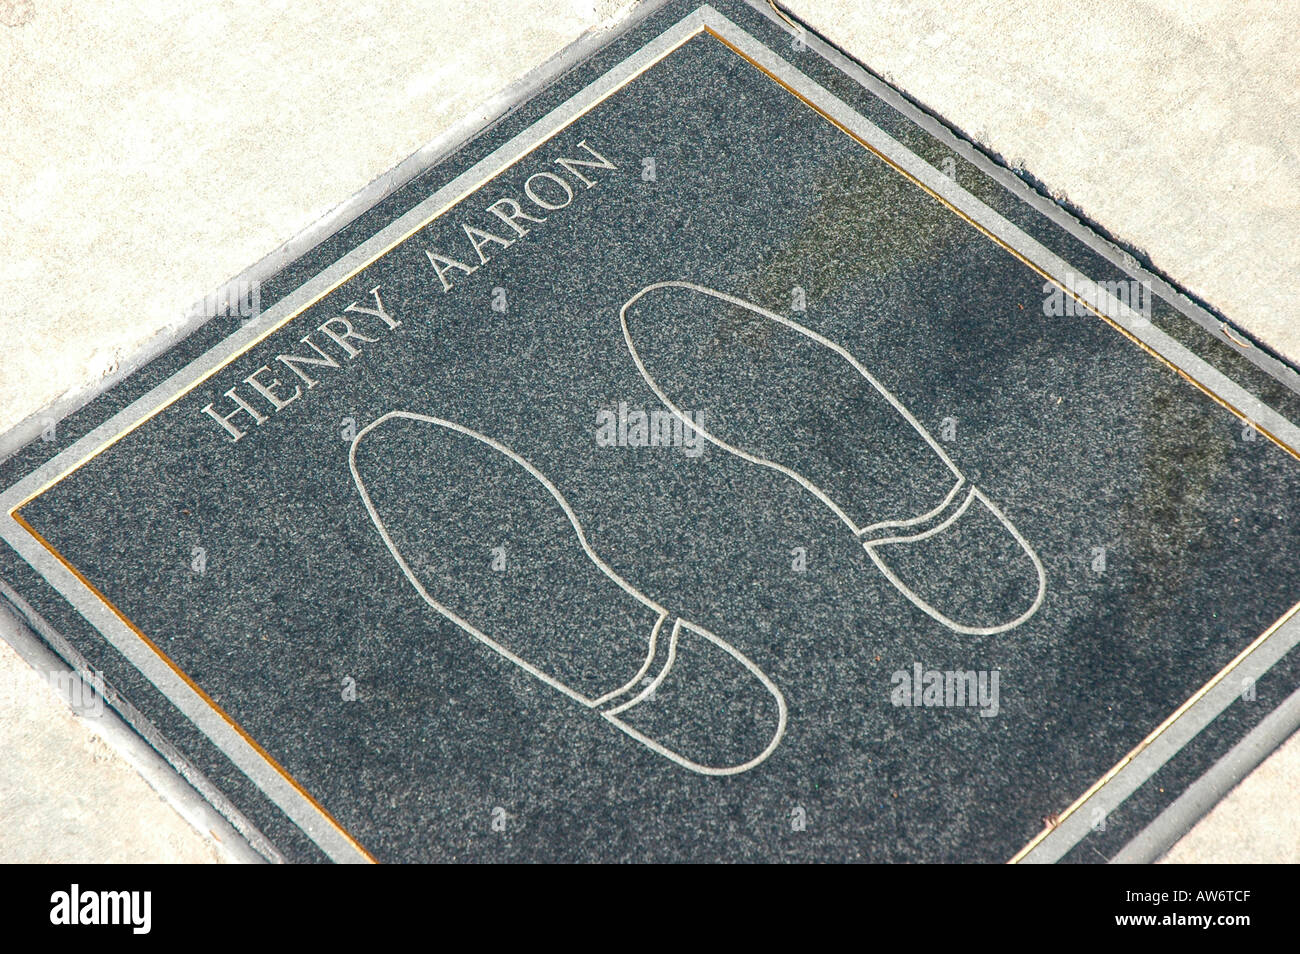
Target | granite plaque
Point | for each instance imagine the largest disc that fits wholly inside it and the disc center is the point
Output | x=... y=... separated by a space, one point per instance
x=715 y=457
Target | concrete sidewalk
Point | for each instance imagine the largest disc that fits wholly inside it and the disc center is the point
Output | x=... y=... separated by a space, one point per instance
x=157 y=151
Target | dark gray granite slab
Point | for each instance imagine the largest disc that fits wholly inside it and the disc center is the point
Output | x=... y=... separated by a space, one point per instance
x=613 y=490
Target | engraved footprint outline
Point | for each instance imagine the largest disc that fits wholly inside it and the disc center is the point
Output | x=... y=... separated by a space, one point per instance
x=680 y=626
x=864 y=534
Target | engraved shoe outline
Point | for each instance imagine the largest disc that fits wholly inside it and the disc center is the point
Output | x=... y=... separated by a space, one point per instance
x=879 y=534
x=620 y=703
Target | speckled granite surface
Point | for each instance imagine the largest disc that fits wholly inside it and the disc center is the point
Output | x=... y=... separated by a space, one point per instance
x=451 y=750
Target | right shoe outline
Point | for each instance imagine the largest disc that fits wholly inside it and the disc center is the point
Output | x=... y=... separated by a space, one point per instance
x=870 y=536
x=636 y=690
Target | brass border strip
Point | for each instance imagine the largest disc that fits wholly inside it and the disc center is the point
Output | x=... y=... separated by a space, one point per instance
x=193 y=685
x=1294 y=452
x=1154 y=734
